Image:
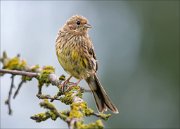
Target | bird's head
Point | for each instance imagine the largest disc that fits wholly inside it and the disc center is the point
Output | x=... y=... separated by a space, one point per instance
x=77 y=24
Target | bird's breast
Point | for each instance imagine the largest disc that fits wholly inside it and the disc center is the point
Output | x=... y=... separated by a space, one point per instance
x=72 y=55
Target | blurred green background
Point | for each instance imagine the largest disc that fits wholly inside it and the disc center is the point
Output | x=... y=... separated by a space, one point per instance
x=137 y=45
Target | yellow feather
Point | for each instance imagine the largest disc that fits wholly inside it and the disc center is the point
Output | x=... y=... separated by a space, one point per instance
x=74 y=55
x=84 y=62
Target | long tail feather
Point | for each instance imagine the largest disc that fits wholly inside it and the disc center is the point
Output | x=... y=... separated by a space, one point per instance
x=101 y=98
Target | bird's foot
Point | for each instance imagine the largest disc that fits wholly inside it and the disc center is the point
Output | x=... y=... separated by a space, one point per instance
x=72 y=84
x=65 y=84
x=75 y=84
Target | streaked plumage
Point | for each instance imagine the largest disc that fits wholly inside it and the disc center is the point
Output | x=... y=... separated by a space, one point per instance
x=76 y=55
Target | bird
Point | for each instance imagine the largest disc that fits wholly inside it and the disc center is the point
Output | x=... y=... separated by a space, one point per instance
x=76 y=55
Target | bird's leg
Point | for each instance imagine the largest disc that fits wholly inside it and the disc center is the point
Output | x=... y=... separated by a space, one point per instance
x=67 y=80
x=74 y=84
x=65 y=83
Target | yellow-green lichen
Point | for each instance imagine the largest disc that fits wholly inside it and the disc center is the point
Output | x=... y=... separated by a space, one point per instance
x=68 y=95
x=53 y=116
x=47 y=104
x=15 y=64
x=77 y=110
x=75 y=114
x=62 y=77
x=88 y=111
x=96 y=125
x=35 y=68
x=64 y=115
x=41 y=117
x=43 y=78
x=26 y=78
x=67 y=98
x=44 y=116
x=104 y=116
x=78 y=90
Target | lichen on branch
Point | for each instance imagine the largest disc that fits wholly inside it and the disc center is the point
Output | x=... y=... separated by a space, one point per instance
x=72 y=95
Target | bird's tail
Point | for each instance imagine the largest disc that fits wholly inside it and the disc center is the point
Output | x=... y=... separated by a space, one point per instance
x=101 y=98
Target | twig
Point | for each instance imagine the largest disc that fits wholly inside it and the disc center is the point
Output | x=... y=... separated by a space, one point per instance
x=101 y=115
x=19 y=87
x=16 y=72
x=52 y=108
x=72 y=123
x=45 y=76
x=8 y=101
x=41 y=96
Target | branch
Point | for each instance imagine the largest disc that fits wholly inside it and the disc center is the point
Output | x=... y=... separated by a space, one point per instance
x=16 y=72
x=18 y=89
x=8 y=101
x=70 y=95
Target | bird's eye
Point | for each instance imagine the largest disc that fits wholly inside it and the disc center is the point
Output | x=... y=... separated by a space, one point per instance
x=78 y=22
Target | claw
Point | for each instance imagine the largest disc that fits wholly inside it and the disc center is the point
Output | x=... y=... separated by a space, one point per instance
x=72 y=84
x=68 y=85
x=65 y=84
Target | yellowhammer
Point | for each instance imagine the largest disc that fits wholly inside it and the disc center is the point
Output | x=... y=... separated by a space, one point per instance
x=76 y=55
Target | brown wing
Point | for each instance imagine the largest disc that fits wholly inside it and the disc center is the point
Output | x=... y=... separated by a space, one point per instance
x=91 y=52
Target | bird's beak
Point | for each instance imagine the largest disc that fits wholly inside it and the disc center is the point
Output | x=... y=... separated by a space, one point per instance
x=87 y=25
